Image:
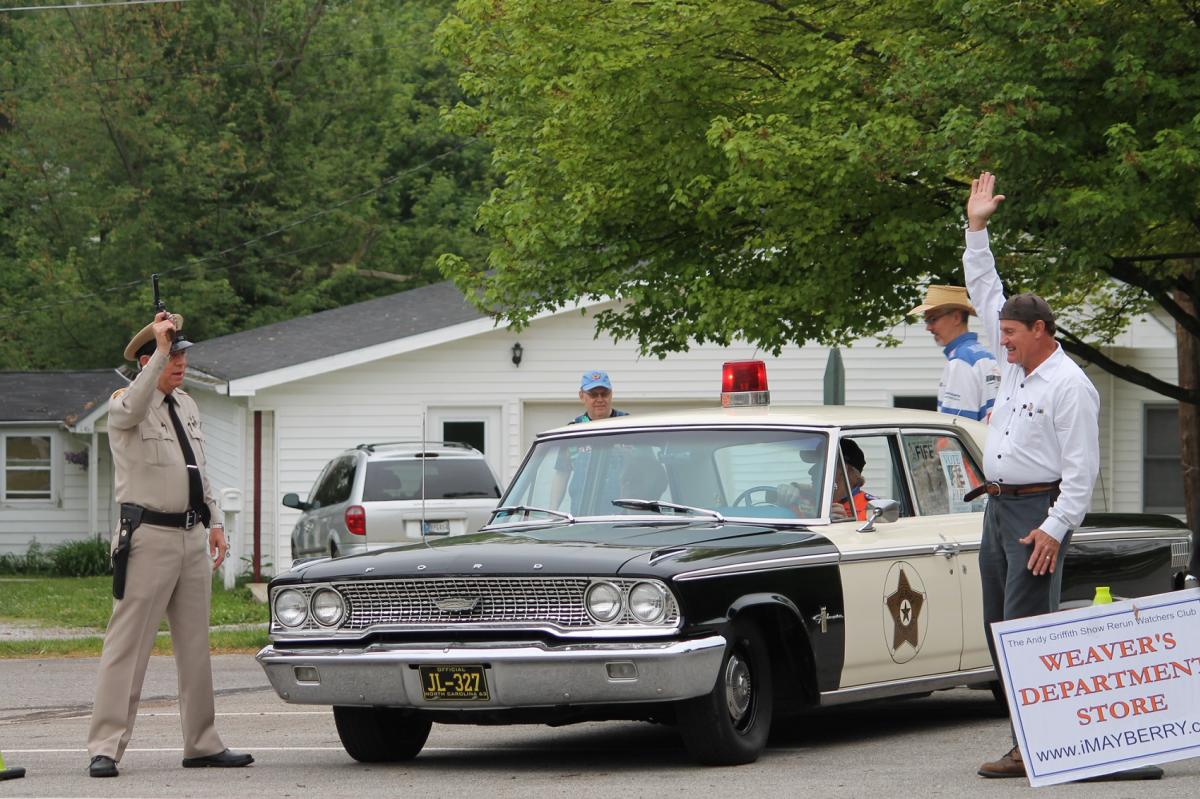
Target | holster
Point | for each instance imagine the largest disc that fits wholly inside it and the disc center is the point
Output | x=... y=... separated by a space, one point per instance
x=131 y=519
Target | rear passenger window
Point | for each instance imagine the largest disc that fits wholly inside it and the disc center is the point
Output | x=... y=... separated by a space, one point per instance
x=336 y=486
x=443 y=478
x=942 y=472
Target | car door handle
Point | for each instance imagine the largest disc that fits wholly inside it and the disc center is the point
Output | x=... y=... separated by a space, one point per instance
x=946 y=550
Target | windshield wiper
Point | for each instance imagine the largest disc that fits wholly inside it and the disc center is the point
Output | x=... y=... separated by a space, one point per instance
x=462 y=494
x=528 y=509
x=658 y=506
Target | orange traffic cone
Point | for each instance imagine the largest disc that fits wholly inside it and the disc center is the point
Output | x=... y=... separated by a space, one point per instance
x=9 y=773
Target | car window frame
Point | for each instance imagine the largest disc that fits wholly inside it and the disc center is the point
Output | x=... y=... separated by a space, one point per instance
x=896 y=450
x=966 y=443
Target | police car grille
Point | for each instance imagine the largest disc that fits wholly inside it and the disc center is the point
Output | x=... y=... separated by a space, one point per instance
x=556 y=601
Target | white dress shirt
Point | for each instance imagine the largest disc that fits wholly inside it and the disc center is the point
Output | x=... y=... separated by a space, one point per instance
x=1046 y=424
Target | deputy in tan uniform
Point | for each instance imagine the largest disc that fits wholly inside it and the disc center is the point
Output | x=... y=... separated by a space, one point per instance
x=164 y=554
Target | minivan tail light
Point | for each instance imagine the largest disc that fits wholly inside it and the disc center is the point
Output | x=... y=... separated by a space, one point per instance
x=356 y=520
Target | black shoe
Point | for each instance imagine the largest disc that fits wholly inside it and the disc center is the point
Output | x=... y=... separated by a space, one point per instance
x=102 y=766
x=226 y=758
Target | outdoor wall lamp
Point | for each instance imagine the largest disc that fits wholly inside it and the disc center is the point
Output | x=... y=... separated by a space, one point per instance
x=517 y=352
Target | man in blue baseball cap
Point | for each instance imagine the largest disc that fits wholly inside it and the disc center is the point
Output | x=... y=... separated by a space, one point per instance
x=595 y=392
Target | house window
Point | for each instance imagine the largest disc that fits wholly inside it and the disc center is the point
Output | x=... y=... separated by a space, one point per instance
x=920 y=403
x=1162 y=473
x=472 y=433
x=28 y=473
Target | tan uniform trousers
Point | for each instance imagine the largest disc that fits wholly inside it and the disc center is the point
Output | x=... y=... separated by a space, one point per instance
x=169 y=571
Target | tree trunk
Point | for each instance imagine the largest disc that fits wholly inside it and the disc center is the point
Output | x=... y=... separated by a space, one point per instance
x=1189 y=427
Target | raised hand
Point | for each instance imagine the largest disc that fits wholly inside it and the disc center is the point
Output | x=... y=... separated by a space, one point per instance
x=164 y=330
x=983 y=201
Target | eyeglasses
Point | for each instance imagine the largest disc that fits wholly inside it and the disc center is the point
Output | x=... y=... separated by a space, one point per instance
x=598 y=393
x=930 y=318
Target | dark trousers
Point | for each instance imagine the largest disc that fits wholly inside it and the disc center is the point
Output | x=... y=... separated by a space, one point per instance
x=1010 y=590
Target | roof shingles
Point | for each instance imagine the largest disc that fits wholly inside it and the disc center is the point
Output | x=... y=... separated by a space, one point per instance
x=332 y=332
x=55 y=396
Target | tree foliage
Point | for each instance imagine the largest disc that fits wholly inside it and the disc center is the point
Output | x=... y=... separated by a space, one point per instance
x=790 y=171
x=270 y=158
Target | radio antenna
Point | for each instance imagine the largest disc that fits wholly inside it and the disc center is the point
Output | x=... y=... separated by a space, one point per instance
x=424 y=523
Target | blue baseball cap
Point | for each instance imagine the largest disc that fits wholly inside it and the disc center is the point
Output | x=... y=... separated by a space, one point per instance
x=595 y=379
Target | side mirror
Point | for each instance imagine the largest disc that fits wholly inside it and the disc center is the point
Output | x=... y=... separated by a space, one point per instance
x=884 y=510
x=293 y=501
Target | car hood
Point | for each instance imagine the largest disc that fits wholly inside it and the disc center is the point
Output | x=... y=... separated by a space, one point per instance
x=585 y=548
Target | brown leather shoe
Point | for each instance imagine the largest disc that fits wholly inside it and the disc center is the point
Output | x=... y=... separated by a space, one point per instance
x=1011 y=765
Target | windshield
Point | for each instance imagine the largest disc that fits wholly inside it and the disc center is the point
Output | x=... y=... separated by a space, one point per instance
x=737 y=473
x=445 y=478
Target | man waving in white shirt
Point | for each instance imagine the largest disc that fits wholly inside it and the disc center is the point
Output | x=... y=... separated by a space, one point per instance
x=1043 y=446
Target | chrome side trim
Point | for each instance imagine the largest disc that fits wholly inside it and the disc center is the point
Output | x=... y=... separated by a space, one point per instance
x=519 y=675
x=1134 y=532
x=1087 y=536
x=880 y=690
x=895 y=552
x=774 y=564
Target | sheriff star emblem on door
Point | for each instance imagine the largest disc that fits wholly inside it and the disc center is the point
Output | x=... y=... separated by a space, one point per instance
x=903 y=602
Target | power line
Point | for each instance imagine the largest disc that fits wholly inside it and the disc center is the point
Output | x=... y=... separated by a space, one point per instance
x=74 y=6
x=241 y=245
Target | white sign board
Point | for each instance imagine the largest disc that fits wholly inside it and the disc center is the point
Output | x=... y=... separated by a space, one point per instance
x=1104 y=688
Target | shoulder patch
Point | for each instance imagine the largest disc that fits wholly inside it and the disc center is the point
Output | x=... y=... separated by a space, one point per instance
x=118 y=393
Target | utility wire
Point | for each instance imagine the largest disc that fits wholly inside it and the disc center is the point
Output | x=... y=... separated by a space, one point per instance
x=75 y=6
x=241 y=245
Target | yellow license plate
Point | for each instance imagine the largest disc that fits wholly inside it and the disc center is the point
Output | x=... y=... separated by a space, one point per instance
x=457 y=683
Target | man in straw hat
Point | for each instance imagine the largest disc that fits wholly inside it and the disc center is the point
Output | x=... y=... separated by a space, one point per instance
x=169 y=542
x=971 y=376
x=1042 y=453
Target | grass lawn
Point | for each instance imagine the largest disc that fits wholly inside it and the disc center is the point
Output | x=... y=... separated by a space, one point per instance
x=86 y=602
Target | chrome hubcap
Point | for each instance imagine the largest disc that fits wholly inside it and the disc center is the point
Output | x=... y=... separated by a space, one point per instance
x=738 y=688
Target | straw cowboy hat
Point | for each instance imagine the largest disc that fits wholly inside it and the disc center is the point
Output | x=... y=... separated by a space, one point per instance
x=945 y=297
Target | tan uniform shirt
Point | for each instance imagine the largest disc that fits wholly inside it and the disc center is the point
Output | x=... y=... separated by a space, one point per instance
x=150 y=469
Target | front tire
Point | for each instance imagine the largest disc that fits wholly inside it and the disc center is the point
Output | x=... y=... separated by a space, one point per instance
x=729 y=725
x=379 y=734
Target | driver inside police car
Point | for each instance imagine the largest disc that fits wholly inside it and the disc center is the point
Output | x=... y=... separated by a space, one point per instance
x=849 y=500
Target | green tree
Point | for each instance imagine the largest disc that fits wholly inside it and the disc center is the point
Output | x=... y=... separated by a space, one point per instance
x=270 y=158
x=787 y=171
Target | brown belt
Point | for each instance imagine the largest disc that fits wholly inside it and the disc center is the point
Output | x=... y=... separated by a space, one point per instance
x=994 y=489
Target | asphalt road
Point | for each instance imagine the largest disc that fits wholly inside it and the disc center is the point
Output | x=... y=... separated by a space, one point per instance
x=923 y=747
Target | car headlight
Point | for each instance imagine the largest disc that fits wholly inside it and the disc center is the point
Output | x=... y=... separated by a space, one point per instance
x=328 y=607
x=290 y=608
x=604 y=602
x=648 y=602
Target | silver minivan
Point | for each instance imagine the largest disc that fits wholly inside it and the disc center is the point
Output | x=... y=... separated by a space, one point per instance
x=380 y=495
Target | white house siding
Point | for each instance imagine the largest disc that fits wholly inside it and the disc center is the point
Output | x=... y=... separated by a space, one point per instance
x=1130 y=402
x=65 y=519
x=224 y=444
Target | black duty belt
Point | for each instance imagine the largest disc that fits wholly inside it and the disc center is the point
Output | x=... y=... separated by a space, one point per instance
x=994 y=489
x=184 y=521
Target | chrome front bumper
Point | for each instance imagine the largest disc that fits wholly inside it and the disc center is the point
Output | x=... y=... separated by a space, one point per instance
x=519 y=675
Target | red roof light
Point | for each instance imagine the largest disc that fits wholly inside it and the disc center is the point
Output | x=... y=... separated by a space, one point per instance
x=744 y=383
x=744 y=376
